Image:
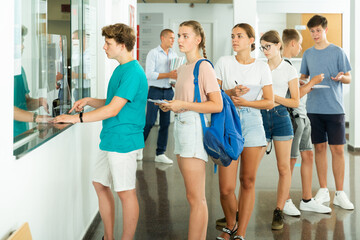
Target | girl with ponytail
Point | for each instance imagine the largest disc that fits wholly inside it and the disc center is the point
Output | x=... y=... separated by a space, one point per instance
x=189 y=149
x=234 y=73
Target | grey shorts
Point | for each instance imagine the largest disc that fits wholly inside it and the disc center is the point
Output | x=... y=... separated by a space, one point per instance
x=302 y=137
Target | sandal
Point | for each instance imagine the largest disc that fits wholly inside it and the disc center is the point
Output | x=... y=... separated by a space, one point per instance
x=228 y=231
x=239 y=237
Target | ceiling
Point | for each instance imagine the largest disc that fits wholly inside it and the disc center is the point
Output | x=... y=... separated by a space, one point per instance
x=185 y=1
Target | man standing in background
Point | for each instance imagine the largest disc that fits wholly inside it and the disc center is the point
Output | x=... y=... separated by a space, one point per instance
x=158 y=75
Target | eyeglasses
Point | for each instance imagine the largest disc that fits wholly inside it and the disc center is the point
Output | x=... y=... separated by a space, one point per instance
x=266 y=47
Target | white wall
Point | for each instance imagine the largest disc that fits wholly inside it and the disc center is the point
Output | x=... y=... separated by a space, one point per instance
x=355 y=85
x=221 y=15
x=6 y=91
x=116 y=11
x=50 y=187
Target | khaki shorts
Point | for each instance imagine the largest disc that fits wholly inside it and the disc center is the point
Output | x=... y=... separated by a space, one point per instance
x=117 y=170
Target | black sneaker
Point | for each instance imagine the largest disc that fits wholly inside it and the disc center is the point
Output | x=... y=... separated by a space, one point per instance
x=278 y=220
x=221 y=222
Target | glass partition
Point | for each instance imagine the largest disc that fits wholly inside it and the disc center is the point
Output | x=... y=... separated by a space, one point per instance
x=55 y=65
x=58 y=85
x=30 y=76
x=83 y=49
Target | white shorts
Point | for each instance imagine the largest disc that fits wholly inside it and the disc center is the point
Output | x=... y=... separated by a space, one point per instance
x=188 y=136
x=116 y=169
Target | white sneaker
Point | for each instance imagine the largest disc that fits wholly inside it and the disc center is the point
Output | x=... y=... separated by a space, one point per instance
x=343 y=201
x=139 y=156
x=290 y=209
x=314 y=206
x=163 y=159
x=322 y=196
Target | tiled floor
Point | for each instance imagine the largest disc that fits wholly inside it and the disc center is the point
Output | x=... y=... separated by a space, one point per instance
x=164 y=210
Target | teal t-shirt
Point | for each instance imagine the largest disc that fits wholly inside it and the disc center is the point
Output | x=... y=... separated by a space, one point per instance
x=124 y=132
x=20 y=90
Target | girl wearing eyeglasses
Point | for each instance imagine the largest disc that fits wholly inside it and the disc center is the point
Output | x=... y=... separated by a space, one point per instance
x=239 y=75
x=277 y=123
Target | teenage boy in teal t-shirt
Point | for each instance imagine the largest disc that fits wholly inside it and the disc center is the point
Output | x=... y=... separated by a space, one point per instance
x=325 y=108
x=123 y=115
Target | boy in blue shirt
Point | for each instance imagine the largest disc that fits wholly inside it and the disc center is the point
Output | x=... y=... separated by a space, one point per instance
x=325 y=108
x=123 y=116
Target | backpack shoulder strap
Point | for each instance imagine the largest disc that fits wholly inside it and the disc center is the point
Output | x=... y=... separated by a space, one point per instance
x=197 y=97
x=288 y=61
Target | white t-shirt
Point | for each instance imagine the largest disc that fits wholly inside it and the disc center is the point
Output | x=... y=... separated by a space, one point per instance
x=301 y=110
x=281 y=77
x=229 y=70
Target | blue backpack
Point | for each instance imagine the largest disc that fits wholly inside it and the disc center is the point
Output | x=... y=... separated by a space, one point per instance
x=223 y=140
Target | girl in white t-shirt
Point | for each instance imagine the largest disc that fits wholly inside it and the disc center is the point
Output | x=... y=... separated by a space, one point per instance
x=237 y=75
x=189 y=148
x=277 y=123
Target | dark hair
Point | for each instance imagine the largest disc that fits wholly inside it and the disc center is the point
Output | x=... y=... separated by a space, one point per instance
x=272 y=36
x=250 y=32
x=24 y=30
x=290 y=34
x=165 y=32
x=199 y=31
x=317 y=20
x=121 y=33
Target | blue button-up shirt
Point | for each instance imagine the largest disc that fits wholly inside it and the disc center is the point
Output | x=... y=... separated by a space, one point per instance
x=157 y=61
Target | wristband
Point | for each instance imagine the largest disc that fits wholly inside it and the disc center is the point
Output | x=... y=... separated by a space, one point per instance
x=80 y=116
x=35 y=116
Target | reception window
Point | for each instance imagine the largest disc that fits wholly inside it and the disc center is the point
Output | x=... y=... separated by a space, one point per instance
x=55 y=65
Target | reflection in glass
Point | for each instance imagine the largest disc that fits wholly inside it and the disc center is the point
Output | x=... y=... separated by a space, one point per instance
x=23 y=102
x=83 y=49
x=58 y=87
x=81 y=84
x=40 y=78
x=54 y=63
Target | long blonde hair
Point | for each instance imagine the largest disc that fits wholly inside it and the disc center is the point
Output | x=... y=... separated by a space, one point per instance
x=199 y=31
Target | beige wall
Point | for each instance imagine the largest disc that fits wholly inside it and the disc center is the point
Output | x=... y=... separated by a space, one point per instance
x=293 y=19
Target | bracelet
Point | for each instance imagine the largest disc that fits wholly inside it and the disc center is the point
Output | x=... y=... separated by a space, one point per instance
x=35 y=116
x=80 y=116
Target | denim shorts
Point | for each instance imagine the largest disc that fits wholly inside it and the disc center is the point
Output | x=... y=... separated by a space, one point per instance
x=327 y=128
x=302 y=137
x=277 y=124
x=188 y=136
x=252 y=127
